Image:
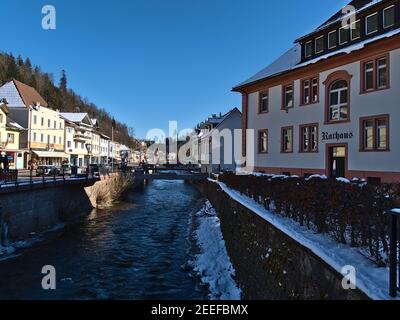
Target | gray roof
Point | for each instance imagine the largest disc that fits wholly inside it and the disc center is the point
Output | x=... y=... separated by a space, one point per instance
x=75 y=117
x=359 y=6
x=285 y=62
x=292 y=58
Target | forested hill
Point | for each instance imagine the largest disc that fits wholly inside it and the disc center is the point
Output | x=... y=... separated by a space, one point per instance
x=59 y=96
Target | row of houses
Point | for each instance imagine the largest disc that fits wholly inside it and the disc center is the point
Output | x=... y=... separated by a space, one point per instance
x=328 y=106
x=31 y=133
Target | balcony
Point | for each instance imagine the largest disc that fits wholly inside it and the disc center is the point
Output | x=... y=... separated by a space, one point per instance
x=82 y=137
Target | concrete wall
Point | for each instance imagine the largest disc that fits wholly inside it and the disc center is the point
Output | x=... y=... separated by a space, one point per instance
x=269 y=264
x=38 y=210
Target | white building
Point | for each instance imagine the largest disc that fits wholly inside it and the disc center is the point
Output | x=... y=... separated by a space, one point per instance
x=217 y=153
x=330 y=105
x=78 y=136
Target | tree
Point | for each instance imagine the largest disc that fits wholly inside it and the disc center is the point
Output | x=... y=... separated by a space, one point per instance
x=63 y=82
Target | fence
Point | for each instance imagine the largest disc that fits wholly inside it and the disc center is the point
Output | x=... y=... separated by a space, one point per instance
x=354 y=213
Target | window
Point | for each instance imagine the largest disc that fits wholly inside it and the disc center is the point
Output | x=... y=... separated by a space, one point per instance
x=48 y=139
x=55 y=124
x=309 y=138
x=288 y=96
x=54 y=139
x=388 y=17
x=263 y=141
x=355 y=30
x=59 y=140
x=10 y=137
x=332 y=39
x=374 y=133
x=338 y=101
x=375 y=74
x=34 y=137
x=263 y=102
x=42 y=122
x=308 y=49
x=41 y=137
x=287 y=140
x=76 y=145
x=343 y=35
x=61 y=125
x=34 y=119
x=309 y=91
x=69 y=144
x=371 y=24
x=382 y=76
x=48 y=123
x=319 y=44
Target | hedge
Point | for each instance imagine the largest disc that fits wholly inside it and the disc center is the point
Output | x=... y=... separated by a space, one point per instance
x=354 y=213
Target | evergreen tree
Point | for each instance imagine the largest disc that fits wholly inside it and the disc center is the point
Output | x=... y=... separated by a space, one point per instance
x=63 y=82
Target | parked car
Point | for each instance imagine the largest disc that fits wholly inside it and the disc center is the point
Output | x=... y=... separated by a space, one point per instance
x=66 y=169
x=94 y=170
x=48 y=170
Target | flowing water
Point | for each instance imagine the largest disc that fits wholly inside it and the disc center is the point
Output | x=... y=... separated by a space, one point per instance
x=139 y=249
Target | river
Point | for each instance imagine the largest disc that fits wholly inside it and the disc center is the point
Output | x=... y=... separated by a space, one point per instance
x=140 y=249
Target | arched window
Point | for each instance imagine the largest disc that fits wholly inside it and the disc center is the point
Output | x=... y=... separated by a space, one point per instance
x=338 y=101
x=337 y=95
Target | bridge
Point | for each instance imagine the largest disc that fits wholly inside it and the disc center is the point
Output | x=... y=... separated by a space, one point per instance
x=170 y=176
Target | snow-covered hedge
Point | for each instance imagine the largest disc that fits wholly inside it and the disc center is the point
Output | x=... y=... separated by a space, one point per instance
x=352 y=212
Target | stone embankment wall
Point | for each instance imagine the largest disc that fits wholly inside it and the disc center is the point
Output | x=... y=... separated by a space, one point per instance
x=33 y=210
x=269 y=264
x=108 y=190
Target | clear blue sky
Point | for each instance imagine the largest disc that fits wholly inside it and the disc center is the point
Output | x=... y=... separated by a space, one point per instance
x=150 y=61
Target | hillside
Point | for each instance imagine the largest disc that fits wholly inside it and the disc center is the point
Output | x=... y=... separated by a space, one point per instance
x=60 y=97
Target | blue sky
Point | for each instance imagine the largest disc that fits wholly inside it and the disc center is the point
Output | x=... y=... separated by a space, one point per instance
x=151 y=61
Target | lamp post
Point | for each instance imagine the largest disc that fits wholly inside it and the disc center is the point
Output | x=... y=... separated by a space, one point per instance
x=88 y=148
x=394 y=259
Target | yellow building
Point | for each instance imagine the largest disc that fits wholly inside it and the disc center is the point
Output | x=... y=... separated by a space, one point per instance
x=9 y=138
x=43 y=140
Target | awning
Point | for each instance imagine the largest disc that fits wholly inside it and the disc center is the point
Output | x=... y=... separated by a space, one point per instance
x=50 y=154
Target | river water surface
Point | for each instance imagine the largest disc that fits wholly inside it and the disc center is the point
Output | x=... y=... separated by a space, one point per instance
x=138 y=250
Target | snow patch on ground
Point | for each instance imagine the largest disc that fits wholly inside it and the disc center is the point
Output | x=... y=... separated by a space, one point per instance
x=212 y=264
x=370 y=279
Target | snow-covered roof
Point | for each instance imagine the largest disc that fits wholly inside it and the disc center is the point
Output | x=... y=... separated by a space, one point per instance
x=285 y=62
x=291 y=60
x=11 y=124
x=359 y=6
x=74 y=117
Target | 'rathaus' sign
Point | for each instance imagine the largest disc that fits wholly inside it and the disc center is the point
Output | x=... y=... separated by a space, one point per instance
x=326 y=136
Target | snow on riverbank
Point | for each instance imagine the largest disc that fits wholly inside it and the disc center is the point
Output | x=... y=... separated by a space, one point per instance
x=370 y=279
x=212 y=264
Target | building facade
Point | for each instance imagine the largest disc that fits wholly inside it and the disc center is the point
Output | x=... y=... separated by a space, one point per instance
x=42 y=140
x=330 y=104
x=218 y=132
x=9 y=138
x=79 y=130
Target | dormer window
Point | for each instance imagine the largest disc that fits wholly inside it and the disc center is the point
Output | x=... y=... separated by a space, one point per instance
x=388 y=16
x=343 y=35
x=355 y=30
x=308 y=49
x=319 y=45
x=332 y=39
x=371 y=23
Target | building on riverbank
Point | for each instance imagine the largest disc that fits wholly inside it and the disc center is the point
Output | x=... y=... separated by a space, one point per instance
x=329 y=105
x=42 y=140
x=9 y=138
x=215 y=152
x=79 y=130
